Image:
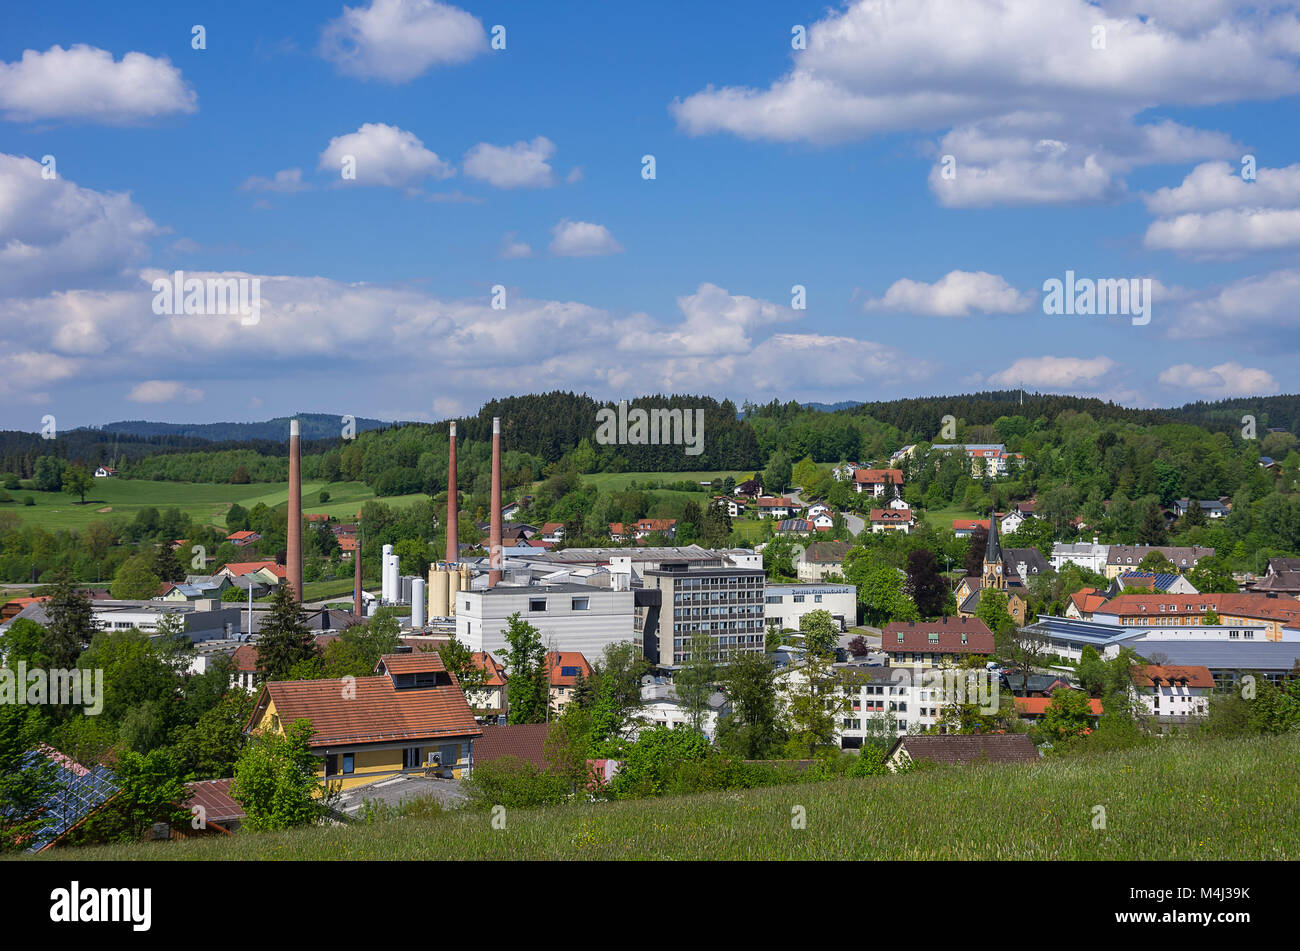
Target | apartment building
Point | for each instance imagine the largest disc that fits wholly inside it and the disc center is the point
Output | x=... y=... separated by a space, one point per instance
x=724 y=602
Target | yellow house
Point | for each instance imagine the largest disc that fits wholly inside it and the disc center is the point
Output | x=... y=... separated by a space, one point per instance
x=410 y=717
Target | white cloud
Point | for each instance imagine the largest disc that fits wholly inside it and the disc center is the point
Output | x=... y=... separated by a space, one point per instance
x=1052 y=372
x=286 y=181
x=522 y=165
x=384 y=155
x=397 y=40
x=1056 y=119
x=578 y=239
x=1258 y=310
x=84 y=82
x=1224 y=380
x=1217 y=212
x=163 y=391
x=511 y=247
x=1227 y=232
x=54 y=233
x=956 y=294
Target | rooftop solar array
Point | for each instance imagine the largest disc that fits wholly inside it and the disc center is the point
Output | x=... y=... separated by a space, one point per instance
x=80 y=792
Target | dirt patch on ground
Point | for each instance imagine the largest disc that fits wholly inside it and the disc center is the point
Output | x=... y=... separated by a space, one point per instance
x=106 y=508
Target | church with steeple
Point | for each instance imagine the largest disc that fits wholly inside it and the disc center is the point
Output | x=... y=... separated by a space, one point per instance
x=1003 y=570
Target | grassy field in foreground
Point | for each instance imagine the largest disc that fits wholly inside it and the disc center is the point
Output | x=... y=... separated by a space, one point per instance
x=204 y=502
x=1181 y=800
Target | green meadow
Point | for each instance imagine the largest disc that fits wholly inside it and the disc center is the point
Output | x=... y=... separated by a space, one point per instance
x=1179 y=799
x=204 y=502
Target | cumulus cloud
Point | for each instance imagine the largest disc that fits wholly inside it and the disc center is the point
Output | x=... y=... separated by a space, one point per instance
x=286 y=181
x=1217 y=212
x=1053 y=372
x=580 y=239
x=511 y=247
x=1224 y=380
x=1258 y=310
x=713 y=340
x=956 y=294
x=397 y=40
x=84 y=82
x=522 y=165
x=54 y=233
x=164 y=391
x=383 y=155
x=1055 y=118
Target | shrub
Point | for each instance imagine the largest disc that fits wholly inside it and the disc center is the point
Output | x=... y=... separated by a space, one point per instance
x=514 y=783
x=654 y=758
x=869 y=762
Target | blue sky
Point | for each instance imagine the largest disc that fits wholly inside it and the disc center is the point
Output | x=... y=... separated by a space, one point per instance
x=522 y=167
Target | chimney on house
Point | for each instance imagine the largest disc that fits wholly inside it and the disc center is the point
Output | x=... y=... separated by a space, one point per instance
x=294 y=548
x=453 y=505
x=494 y=529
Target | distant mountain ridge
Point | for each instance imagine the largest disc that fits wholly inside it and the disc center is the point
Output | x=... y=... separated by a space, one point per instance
x=313 y=426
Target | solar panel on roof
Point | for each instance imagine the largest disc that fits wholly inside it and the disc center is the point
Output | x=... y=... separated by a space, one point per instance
x=77 y=796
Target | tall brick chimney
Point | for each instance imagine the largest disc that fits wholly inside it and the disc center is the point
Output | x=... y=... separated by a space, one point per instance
x=453 y=506
x=294 y=553
x=494 y=532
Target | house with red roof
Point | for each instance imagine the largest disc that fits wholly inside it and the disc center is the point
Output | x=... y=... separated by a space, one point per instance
x=1172 y=694
x=935 y=643
x=563 y=671
x=488 y=700
x=892 y=520
x=241 y=538
x=1083 y=602
x=410 y=717
x=878 y=482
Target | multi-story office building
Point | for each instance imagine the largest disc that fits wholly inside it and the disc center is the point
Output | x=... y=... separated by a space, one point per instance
x=724 y=602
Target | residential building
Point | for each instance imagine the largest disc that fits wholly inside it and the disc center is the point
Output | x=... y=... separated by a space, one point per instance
x=1122 y=558
x=409 y=717
x=1083 y=602
x=775 y=507
x=563 y=671
x=1173 y=694
x=1213 y=508
x=1035 y=708
x=489 y=700
x=646 y=527
x=892 y=520
x=986 y=459
x=966 y=527
x=877 y=483
x=1150 y=581
x=820 y=559
x=786 y=604
x=105 y=472
x=1019 y=514
x=267 y=572
x=1090 y=556
x=934 y=643
x=660 y=706
x=794 y=526
x=242 y=538
x=553 y=532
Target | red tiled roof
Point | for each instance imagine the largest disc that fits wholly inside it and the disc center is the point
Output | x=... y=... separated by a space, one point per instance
x=557 y=660
x=970 y=748
x=347 y=542
x=376 y=712
x=496 y=674
x=1149 y=675
x=248 y=567
x=891 y=515
x=916 y=636
x=1087 y=600
x=1037 y=706
x=552 y=526
x=878 y=476
x=213 y=795
x=239 y=536
x=416 y=662
x=524 y=740
x=969 y=524
x=655 y=524
x=1246 y=605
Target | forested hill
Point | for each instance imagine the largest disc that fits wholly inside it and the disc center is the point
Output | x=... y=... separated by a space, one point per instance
x=313 y=426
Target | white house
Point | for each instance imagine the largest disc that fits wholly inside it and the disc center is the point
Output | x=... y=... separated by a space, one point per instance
x=104 y=472
x=660 y=706
x=1173 y=693
x=1089 y=555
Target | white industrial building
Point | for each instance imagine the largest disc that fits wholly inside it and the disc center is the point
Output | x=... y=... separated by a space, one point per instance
x=785 y=604
x=570 y=617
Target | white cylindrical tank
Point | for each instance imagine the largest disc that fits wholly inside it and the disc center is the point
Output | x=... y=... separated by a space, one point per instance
x=417 y=603
x=385 y=575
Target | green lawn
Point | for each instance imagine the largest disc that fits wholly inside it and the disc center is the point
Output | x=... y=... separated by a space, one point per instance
x=1198 y=800
x=205 y=503
x=942 y=518
x=617 y=481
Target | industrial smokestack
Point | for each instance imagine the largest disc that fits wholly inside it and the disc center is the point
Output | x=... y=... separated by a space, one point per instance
x=453 y=506
x=356 y=577
x=294 y=554
x=494 y=533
